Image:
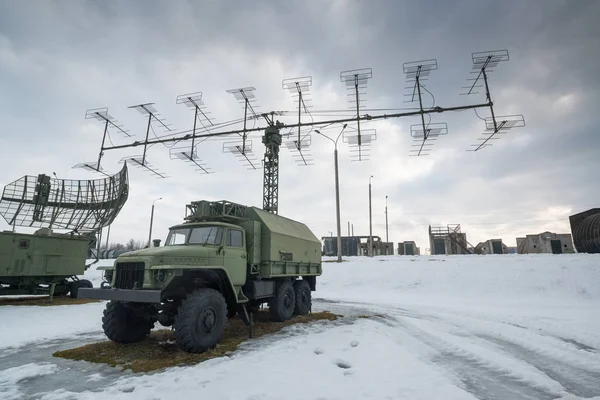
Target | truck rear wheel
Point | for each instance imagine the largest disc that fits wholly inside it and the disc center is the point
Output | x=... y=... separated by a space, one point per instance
x=281 y=306
x=75 y=285
x=303 y=297
x=123 y=323
x=200 y=320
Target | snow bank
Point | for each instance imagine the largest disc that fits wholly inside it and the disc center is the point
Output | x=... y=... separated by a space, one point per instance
x=11 y=377
x=344 y=362
x=23 y=325
x=454 y=327
x=490 y=280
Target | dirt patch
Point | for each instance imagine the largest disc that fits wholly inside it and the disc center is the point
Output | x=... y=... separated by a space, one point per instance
x=43 y=301
x=159 y=350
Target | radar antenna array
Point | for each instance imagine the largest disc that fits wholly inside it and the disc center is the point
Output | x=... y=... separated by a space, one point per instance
x=299 y=88
x=423 y=138
x=189 y=154
x=418 y=72
x=237 y=139
x=356 y=88
x=360 y=144
x=484 y=63
x=141 y=161
x=243 y=150
x=498 y=126
x=101 y=114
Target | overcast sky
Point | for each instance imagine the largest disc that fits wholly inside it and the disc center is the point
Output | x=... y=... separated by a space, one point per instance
x=59 y=58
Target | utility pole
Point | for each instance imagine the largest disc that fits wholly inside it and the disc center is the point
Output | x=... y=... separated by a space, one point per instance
x=337 y=191
x=386 y=224
x=370 y=252
x=151 y=220
x=348 y=228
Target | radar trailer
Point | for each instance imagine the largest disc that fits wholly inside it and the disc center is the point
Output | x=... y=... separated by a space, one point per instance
x=67 y=215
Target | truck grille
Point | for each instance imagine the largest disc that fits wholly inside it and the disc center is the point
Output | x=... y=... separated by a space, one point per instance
x=129 y=275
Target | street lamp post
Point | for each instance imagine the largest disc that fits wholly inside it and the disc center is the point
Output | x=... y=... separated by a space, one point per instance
x=151 y=220
x=386 y=226
x=370 y=253
x=337 y=191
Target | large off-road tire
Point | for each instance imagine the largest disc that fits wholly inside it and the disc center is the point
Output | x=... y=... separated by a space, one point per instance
x=62 y=288
x=303 y=297
x=75 y=285
x=200 y=320
x=125 y=322
x=281 y=306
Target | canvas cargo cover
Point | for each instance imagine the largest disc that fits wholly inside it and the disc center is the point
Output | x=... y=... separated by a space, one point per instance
x=284 y=239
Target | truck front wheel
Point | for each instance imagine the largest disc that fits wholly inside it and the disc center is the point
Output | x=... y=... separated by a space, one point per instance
x=281 y=306
x=200 y=320
x=125 y=322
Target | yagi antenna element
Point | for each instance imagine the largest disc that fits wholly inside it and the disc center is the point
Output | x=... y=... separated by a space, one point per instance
x=300 y=91
x=484 y=63
x=101 y=114
x=194 y=102
x=356 y=86
x=418 y=72
x=246 y=97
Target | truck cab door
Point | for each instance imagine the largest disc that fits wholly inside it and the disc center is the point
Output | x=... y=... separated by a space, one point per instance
x=235 y=255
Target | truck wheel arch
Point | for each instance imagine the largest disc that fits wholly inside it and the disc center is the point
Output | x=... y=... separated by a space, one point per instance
x=213 y=278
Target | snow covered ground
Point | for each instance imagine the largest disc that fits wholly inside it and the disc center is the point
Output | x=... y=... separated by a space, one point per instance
x=458 y=327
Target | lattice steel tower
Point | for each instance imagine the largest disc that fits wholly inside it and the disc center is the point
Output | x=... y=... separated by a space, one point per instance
x=272 y=142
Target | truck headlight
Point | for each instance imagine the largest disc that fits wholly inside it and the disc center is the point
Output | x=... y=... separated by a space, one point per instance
x=160 y=275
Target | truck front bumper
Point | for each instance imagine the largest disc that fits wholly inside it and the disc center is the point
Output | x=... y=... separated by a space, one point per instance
x=135 y=296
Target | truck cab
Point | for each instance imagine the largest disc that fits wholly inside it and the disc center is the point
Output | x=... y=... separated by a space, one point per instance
x=225 y=259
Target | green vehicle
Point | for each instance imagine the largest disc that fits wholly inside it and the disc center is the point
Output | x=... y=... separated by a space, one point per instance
x=67 y=216
x=225 y=259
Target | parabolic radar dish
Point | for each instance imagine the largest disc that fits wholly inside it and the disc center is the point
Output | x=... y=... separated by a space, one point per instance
x=78 y=205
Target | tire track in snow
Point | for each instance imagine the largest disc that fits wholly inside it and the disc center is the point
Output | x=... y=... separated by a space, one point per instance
x=569 y=351
x=575 y=380
x=482 y=379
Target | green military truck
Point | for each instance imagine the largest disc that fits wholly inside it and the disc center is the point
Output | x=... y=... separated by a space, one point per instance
x=224 y=259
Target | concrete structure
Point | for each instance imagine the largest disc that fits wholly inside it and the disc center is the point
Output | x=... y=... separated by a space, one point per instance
x=356 y=246
x=408 y=248
x=585 y=227
x=448 y=240
x=492 y=246
x=545 y=242
x=380 y=248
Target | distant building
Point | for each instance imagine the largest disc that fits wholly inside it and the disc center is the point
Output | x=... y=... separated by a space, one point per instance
x=545 y=242
x=380 y=248
x=492 y=246
x=408 y=248
x=448 y=240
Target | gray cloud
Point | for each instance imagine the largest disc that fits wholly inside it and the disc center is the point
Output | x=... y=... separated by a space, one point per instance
x=59 y=58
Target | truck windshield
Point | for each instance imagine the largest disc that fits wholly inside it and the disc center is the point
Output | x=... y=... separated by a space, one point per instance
x=211 y=235
x=177 y=236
